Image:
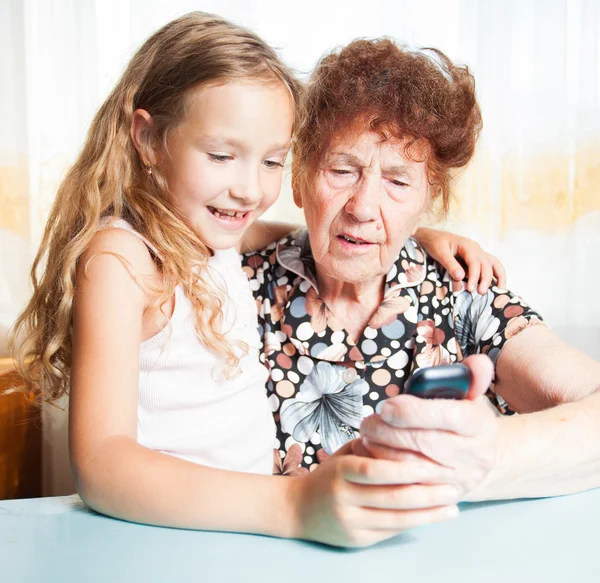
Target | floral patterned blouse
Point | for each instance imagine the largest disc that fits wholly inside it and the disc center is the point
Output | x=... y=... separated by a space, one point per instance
x=322 y=384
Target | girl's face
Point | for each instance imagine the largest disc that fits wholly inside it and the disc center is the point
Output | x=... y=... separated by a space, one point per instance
x=225 y=160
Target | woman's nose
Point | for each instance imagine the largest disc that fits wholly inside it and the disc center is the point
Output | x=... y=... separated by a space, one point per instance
x=363 y=203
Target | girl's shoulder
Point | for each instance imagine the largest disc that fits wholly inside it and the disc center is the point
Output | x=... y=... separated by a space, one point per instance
x=114 y=250
x=122 y=244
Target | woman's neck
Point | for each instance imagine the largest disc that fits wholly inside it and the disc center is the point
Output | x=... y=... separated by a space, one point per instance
x=353 y=303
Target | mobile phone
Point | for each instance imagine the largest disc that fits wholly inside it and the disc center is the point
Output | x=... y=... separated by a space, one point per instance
x=450 y=381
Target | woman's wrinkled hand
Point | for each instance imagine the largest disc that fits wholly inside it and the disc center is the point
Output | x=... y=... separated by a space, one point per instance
x=482 y=268
x=456 y=440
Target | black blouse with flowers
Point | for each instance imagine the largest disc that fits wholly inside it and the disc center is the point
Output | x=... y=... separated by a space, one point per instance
x=321 y=384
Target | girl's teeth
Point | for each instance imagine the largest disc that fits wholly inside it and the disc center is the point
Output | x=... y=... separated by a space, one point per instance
x=229 y=215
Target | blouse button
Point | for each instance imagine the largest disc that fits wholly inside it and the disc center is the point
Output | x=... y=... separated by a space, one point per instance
x=349 y=375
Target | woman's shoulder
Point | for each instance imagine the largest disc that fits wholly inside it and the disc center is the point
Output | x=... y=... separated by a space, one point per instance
x=266 y=260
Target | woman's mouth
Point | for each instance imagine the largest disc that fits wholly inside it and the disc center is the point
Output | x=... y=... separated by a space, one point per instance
x=353 y=245
x=353 y=240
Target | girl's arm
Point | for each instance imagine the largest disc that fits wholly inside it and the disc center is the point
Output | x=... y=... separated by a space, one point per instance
x=447 y=247
x=347 y=501
x=262 y=233
x=442 y=246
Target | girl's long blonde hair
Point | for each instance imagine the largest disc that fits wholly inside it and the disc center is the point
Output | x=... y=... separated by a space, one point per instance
x=109 y=180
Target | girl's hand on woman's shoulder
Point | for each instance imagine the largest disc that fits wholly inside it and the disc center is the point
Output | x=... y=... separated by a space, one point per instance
x=448 y=248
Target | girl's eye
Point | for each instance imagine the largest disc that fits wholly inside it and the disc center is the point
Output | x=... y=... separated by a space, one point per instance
x=398 y=183
x=273 y=164
x=219 y=157
x=340 y=171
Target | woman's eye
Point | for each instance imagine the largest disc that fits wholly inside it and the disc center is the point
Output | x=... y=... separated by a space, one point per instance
x=219 y=157
x=273 y=164
x=340 y=171
x=398 y=183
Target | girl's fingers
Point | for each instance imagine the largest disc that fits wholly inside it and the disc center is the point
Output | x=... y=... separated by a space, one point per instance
x=409 y=497
x=381 y=472
x=383 y=452
x=485 y=278
x=399 y=520
x=376 y=525
x=499 y=272
x=358 y=448
x=474 y=269
x=453 y=267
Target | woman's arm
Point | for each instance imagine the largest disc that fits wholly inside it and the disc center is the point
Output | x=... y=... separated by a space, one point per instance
x=546 y=453
x=537 y=370
x=349 y=501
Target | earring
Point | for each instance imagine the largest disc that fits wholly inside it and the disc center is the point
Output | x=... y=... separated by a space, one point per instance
x=148 y=170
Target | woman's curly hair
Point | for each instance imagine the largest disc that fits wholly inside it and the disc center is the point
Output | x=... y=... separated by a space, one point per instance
x=417 y=95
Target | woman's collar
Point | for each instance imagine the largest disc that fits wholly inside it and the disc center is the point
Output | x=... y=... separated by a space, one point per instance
x=295 y=255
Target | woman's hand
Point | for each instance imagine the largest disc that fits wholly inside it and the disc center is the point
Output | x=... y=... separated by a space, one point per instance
x=481 y=266
x=457 y=440
x=353 y=501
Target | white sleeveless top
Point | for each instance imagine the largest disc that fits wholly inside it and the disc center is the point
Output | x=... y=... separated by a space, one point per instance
x=185 y=406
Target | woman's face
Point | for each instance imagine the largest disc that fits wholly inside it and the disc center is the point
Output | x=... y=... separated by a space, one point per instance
x=366 y=200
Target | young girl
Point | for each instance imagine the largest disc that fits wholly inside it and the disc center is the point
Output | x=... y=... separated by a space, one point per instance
x=144 y=316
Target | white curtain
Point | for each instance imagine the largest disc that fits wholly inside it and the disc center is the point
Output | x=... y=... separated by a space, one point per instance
x=531 y=195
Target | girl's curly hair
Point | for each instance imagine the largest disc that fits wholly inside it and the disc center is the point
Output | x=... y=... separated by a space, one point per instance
x=108 y=179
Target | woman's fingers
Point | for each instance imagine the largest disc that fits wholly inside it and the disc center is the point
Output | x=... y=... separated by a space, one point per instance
x=432 y=444
x=408 y=412
x=482 y=373
x=463 y=417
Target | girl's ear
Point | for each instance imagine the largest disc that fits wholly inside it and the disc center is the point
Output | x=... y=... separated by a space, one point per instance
x=141 y=134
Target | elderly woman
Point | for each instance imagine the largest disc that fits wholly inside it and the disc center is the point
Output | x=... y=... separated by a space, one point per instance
x=353 y=306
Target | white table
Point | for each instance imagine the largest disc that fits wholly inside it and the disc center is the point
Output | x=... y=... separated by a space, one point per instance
x=537 y=541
